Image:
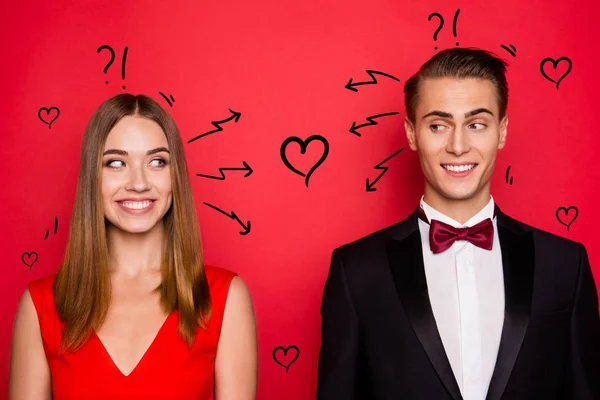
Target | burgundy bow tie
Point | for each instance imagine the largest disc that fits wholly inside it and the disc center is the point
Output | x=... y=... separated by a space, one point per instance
x=442 y=235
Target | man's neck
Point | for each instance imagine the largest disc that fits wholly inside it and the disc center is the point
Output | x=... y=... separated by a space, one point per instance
x=459 y=210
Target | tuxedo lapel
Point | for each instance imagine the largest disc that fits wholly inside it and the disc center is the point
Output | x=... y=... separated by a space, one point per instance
x=517 y=248
x=405 y=255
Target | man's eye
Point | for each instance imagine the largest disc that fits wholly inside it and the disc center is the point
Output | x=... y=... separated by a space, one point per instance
x=436 y=127
x=479 y=126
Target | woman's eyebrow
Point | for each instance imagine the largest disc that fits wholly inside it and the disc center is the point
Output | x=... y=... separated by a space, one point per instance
x=124 y=153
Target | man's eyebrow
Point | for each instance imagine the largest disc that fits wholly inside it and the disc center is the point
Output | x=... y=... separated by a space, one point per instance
x=478 y=111
x=438 y=114
x=148 y=153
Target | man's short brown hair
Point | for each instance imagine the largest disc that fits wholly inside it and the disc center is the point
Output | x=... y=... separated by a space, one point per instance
x=459 y=63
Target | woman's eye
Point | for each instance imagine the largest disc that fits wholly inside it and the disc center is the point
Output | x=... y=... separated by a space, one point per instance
x=114 y=163
x=161 y=162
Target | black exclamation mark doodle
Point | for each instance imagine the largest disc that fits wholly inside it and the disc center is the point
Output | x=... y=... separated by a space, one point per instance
x=55 y=228
x=454 y=23
x=124 y=63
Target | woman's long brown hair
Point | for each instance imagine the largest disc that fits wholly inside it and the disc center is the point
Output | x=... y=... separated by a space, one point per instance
x=82 y=287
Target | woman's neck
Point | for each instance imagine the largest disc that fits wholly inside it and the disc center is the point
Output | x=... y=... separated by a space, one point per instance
x=134 y=253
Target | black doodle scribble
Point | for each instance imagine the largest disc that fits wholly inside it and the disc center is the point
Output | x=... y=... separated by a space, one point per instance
x=29 y=262
x=303 y=145
x=439 y=28
x=47 y=110
x=508 y=178
x=512 y=52
x=233 y=216
x=565 y=211
x=354 y=128
x=286 y=363
x=370 y=185
x=235 y=116
x=222 y=170
x=167 y=98
x=55 y=228
x=554 y=65
x=352 y=86
x=112 y=58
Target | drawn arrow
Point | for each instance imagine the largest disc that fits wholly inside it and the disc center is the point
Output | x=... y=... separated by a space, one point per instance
x=371 y=119
x=370 y=185
x=235 y=116
x=221 y=170
x=371 y=73
x=234 y=217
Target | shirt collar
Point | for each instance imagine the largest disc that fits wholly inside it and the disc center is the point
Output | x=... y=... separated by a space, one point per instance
x=485 y=212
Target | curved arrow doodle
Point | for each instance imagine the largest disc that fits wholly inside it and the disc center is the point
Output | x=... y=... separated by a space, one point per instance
x=235 y=116
x=221 y=170
x=352 y=86
x=370 y=185
x=234 y=217
x=354 y=128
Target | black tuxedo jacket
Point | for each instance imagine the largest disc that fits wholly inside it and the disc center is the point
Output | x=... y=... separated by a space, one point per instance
x=380 y=339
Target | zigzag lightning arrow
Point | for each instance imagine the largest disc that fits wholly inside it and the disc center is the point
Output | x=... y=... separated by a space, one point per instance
x=217 y=124
x=372 y=73
x=371 y=119
x=370 y=187
x=234 y=217
x=221 y=170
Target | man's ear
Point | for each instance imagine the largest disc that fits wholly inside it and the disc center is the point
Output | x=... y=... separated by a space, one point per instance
x=410 y=134
x=503 y=132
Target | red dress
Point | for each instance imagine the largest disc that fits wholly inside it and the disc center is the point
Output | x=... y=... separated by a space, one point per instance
x=168 y=369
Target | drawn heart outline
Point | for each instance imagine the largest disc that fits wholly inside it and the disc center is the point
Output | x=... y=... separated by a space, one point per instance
x=285 y=351
x=33 y=253
x=566 y=212
x=47 y=110
x=303 y=145
x=554 y=64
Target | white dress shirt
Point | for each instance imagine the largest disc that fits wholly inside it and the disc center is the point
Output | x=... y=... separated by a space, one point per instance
x=466 y=289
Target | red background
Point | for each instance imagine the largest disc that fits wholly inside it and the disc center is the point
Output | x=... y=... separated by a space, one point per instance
x=284 y=66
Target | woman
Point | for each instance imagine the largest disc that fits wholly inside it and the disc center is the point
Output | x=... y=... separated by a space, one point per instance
x=133 y=312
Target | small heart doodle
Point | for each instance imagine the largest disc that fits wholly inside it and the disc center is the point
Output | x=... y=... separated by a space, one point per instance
x=554 y=64
x=562 y=215
x=46 y=119
x=286 y=361
x=31 y=258
x=303 y=145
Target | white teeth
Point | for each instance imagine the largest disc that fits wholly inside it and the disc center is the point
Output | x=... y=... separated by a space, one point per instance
x=459 y=168
x=136 y=205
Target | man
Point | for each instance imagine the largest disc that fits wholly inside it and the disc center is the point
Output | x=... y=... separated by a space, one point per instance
x=459 y=300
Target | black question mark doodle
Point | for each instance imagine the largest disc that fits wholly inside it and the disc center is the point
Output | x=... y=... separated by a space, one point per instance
x=512 y=52
x=508 y=178
x=554 y=64
x=285 y=351
x=303 y=145
x=29 y=263
x=435 y=14
x=112 y=59
x=566 y=212
x=47 y=110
